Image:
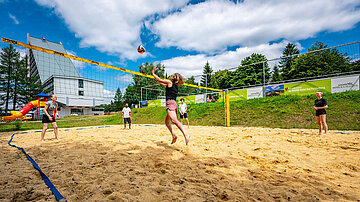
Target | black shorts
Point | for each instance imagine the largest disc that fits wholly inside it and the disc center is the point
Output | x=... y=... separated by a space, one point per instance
x=128 y=120
x=320 y=112
x=45 y=119
x=183 y=116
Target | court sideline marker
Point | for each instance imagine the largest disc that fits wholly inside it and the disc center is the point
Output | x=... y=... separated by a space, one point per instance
x=47 y=181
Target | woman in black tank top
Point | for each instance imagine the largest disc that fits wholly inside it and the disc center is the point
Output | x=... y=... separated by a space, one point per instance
x=320 y=106
x=171 y=92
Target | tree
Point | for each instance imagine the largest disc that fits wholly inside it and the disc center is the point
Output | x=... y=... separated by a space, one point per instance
x=286 y=61
x=221 y=79
x=275 y=75
x=8 y=58
x=16 y=83
x=118 y=96
x=19 y=81
x=251 y=71
x=133 y=91
x=319 y=63
x=118 y=103
x=355 y=65
x=29 y=87
x=183 y=90
x=206 y=77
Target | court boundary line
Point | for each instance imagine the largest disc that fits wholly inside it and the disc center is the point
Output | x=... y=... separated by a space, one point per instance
x=45 y=178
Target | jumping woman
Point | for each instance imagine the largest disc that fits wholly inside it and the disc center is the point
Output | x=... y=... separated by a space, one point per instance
x=171 y=91
x=50 y=112
x=320 y=106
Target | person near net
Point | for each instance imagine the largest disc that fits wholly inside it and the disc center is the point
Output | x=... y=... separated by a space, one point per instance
x=320 y=106
x=171 y=92
x=49 y=116
x=126 y=114
x=183 y=112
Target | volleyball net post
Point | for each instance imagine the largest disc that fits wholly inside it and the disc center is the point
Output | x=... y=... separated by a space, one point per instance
x=227 y=108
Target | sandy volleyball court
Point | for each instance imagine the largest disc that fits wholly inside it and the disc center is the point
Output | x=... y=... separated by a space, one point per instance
x=235 y=164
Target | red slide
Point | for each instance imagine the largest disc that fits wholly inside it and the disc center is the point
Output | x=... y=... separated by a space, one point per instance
x=24 y=110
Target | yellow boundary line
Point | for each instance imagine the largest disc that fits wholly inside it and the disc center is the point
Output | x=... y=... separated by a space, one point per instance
x=17 y=43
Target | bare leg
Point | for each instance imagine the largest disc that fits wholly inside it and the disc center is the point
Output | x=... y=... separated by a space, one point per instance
x=55 y=129
x=323 y=122
x=187 y=121
x=172 y=115
x=319 y=123
x=45 y=125
x=129 y=125
x=181 y=120
x=124 y=125
x=169 y=126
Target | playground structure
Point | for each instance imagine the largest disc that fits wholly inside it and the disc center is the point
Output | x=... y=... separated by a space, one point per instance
x=35 y=103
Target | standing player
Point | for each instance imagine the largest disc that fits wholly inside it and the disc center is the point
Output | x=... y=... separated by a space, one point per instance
x=183 y=114
x=320 y=106
x=50 y=112
x=126 y=114
x=171 y=92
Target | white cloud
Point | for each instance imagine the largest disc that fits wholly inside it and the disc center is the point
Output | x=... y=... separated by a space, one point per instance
x=108 y=93
x=214 y=25
x=14 y=19
x=124 y=78
x=112 y=26
x=108 y=96
x=193 y=64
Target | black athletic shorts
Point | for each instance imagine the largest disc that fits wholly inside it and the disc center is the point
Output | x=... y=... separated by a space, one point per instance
x=45 y=119
x=127 y=120
x=320 y=112
x=185 y=115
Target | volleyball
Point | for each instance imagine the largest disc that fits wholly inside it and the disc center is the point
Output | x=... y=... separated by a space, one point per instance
x=141 y=49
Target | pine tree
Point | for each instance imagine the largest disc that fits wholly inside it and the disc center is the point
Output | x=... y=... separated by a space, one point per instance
x=28 y=88
x=286 y=61
x=206 y=77
x=8 y=58
x=118 y=96
x=19 y=78
x=275 y=75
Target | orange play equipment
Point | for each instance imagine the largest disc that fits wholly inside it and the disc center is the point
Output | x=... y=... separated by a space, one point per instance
x=24 y=110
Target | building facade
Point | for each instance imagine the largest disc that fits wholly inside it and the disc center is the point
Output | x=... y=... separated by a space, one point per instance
x=76 y=95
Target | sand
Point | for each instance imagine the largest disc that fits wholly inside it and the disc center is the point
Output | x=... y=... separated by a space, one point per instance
x=234 y=164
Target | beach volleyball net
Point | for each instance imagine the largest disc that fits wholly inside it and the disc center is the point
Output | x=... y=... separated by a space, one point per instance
x=85 y=86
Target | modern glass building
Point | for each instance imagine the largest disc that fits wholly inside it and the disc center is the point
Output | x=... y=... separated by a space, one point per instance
x=76 y=95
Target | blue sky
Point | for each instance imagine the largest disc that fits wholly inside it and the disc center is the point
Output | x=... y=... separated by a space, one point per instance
x=181 y=34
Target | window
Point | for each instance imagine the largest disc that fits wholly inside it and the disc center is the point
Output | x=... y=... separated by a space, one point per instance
x=97 y=109
x=77 y=111
x=81 y=92
x=81 y=83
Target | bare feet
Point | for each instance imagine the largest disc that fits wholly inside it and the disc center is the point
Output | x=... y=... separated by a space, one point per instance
x=174 y=139
x=187 y=139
